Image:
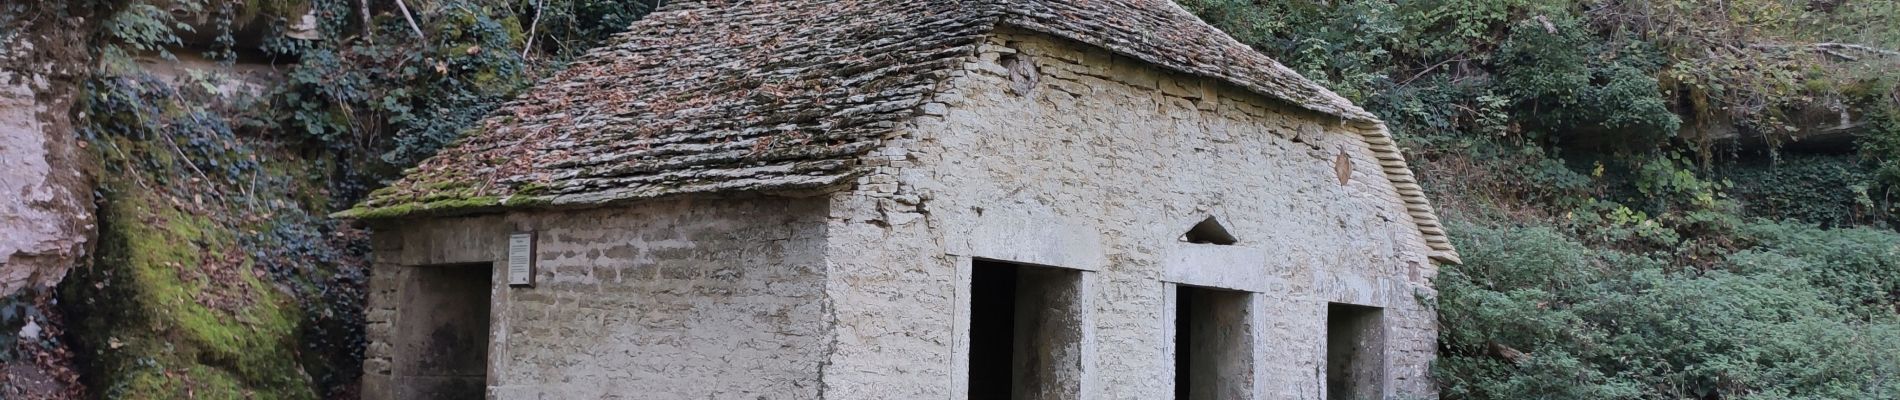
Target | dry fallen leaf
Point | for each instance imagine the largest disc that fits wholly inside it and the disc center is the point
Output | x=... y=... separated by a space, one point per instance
x=114 y=343
x=1342 y=166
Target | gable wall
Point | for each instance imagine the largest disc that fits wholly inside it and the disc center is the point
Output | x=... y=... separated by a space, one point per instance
x=667 y=299
x=1101 y=166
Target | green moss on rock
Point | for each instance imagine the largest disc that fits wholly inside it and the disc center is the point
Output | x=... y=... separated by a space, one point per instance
x=174 y=312
x=172 y=307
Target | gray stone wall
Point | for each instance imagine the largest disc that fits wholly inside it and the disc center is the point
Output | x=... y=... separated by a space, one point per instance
x=671 y=299
x=1047 y=152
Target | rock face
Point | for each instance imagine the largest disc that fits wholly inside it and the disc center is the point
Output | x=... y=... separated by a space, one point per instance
x=45 y=209
x=46 y=216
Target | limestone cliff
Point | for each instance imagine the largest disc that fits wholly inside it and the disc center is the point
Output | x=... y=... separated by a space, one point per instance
x=47 y=207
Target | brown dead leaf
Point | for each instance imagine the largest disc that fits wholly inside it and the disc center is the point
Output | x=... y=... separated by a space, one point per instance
x=1342 y=165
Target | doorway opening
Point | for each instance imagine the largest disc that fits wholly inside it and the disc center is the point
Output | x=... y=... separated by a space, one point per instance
x=1355 y=352
x=1025 y=332
x=442 y=333
x=1213 y=347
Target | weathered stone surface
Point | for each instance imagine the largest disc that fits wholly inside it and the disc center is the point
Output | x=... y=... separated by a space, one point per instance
x=1137 y=166
x=687 y=299
x=45 y=199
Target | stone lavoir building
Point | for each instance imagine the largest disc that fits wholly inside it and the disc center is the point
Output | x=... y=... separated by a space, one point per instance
x=910 y=199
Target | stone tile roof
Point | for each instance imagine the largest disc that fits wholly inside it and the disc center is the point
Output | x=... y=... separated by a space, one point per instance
x=721 y=96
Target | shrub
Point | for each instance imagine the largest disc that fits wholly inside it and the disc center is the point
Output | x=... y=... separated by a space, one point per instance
x=1819 y=189
x=1802 y=313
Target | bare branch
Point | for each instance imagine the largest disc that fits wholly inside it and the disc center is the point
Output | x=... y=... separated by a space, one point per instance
x=531 y=27
x=1859 y=48
x=362 y=11
x=412 y=19
x=1838 y=50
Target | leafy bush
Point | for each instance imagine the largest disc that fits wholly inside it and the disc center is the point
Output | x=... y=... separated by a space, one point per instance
x=1625 y=74
x=1880 y=146
x=401 y=94
x=1607 y=261
x=1536 y=314
x=1819 y=189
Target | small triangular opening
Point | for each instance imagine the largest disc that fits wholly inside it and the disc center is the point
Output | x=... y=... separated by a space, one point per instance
x=1209 y=231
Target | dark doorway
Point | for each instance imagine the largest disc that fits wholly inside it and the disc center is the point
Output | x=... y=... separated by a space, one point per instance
x=1213 y=350
x=442 y=333
x=1355 y=352
x=992 y=329
x=1025 y=332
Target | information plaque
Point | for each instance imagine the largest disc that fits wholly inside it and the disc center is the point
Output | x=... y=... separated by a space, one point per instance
x=521 y=259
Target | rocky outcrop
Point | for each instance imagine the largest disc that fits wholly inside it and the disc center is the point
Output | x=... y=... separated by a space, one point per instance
x=46 y=209
x=45 y=197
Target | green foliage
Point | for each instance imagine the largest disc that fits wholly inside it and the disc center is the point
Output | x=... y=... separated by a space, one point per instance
x=1572 y=144
x=1627 y=74
x=1880 y=147
x=161 y=307
x=1670 y=183
x=1345 y=46
x=386 y=91
x=216 y=268
x=1536 y=314
x=1856 y=269
x=146 y=27
x=1820 y=189
x=1568 y=80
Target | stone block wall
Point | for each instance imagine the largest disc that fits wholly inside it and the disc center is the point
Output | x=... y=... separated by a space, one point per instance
x=1048 y=152
x=673 y=299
